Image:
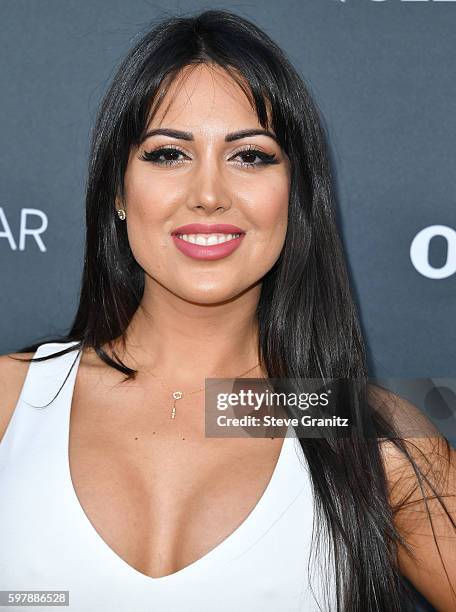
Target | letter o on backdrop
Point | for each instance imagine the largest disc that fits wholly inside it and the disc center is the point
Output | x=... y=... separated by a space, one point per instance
x=419 y=251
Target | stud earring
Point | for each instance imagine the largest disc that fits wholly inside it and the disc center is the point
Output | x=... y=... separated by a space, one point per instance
x=121 y=213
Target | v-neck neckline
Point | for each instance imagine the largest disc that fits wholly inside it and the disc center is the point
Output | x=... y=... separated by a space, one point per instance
x=230 y=547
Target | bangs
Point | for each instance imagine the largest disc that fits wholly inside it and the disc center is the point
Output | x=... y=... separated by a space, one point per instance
x=256 y=96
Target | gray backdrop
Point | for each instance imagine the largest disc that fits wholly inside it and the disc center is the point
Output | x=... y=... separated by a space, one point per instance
x=383 y=75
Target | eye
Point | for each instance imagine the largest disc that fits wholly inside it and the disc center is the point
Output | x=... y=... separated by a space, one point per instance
x=251 y=154
x=170 y=153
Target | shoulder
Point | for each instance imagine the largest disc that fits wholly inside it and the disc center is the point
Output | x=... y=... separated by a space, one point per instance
x=420 y=441
x=420 y=469
x=417 y=450
x=13 y=370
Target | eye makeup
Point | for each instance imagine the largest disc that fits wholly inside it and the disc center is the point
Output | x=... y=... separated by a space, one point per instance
x=155 y=155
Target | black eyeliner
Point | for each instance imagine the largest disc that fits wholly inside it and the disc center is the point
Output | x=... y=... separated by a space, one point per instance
x=152 y=156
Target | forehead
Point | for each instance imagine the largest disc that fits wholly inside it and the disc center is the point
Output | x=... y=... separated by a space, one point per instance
x=202 y=96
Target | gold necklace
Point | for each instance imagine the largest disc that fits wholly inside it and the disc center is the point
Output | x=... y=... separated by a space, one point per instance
x=177 y=395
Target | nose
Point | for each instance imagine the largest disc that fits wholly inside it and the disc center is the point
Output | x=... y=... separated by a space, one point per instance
x=208 y=190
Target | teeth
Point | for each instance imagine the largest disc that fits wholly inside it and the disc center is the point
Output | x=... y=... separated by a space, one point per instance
x=207 y=239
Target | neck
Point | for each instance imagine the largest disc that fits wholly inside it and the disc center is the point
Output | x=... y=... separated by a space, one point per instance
x=185 y=342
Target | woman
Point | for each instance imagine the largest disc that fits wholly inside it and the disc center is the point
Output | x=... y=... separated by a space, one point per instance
x=207 y=123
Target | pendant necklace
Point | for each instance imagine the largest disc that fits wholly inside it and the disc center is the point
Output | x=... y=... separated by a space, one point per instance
x=177 y=395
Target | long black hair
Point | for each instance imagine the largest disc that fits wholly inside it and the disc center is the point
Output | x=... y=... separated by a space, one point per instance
x=308 y=322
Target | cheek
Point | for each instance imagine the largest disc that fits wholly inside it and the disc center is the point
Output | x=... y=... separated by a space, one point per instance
x=146 y=197
x=149 y=205
x=270 y=212
x=145 y=230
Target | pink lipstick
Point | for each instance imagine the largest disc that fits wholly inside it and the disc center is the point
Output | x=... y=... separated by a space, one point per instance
x=193 y=240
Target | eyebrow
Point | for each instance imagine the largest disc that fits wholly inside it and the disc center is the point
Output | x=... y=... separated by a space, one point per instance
x=189 y=136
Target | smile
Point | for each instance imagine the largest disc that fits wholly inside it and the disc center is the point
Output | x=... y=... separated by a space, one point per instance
x=207 y=239
x=207 y=242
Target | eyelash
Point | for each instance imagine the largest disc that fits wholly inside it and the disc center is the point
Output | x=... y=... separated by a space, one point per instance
x=152 y=156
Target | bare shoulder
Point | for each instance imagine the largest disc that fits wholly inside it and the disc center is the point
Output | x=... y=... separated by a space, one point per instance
x=424 y=458
x=13 y=371
x=421 y=480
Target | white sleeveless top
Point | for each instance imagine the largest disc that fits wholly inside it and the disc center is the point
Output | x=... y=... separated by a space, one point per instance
x=48 y=543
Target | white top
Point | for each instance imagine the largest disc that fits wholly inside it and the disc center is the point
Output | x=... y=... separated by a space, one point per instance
x=48 y=543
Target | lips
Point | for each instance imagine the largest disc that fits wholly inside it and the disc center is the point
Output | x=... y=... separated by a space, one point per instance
x=196 y=231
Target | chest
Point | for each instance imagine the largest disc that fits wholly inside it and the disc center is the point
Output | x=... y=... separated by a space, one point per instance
x=156 y=490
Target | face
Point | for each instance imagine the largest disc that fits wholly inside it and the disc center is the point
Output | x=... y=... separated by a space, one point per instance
x=199 y=175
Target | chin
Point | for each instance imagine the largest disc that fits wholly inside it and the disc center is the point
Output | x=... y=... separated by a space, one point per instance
x=210 y=295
